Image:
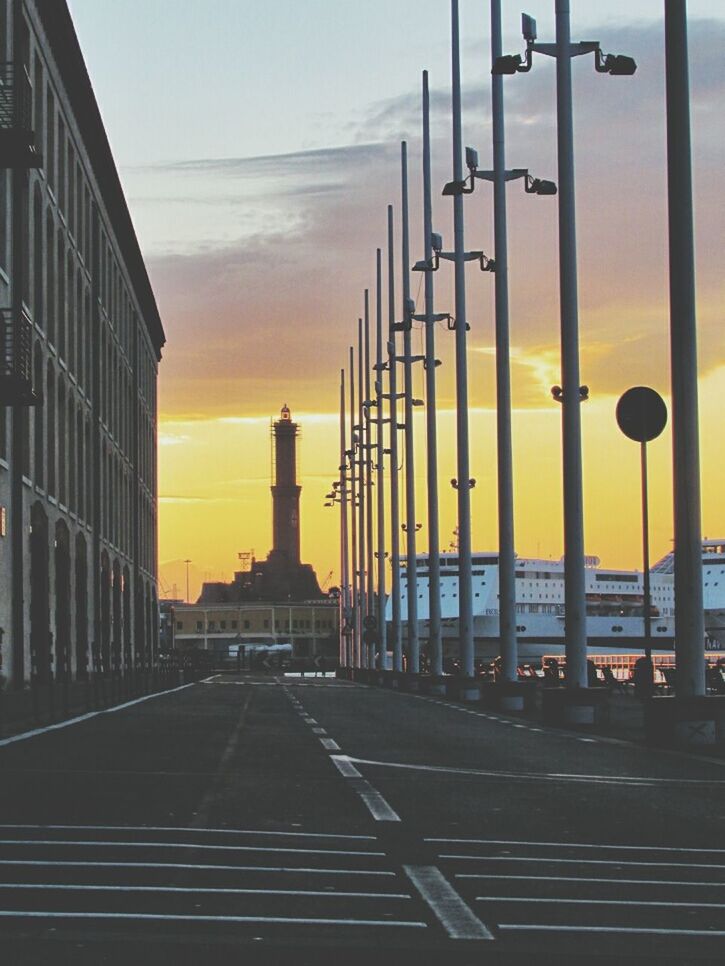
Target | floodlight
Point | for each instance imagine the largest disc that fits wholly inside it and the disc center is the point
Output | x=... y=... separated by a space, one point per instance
x=471 y=158
x=421 y=266
x=436 y=241
x=528 y=27
x=539 y=186
x=454 y=188
x=409 y=306
x=507 y=64
x=618 y=65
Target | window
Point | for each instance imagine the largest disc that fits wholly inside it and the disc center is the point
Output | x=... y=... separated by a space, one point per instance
x=222 y=625
x=246 y=625
x=179 y=626
x=234 y=625
x=199 y=626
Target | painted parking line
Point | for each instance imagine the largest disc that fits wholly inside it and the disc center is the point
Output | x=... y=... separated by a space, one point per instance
x=378 y=807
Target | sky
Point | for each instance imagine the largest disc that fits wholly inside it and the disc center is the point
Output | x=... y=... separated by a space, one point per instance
x=259 y=146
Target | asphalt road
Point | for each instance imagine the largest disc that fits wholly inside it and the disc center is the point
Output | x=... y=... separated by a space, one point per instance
x=275 y=820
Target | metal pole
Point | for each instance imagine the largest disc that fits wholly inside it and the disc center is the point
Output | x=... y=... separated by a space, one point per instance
x=574 y=583
x=410 y=522
x=344 y=552
x=689 y=615
x=465 y=586
x=370 y=589
x=645 y=556
x=380 y=453
x=435 y=642
x=396 y=628
x=353 y=521
x=361 y=495
x=506 y=556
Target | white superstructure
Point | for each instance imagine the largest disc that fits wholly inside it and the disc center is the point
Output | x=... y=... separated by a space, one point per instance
x=615 y=602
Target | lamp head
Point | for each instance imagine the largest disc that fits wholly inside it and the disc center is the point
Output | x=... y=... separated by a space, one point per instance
x=471 y=158
x=454 y=188
x=409 y=306
x=539 y=186
x=507 y=64
x=436 y=241
x=528 y=28
x=618 y=65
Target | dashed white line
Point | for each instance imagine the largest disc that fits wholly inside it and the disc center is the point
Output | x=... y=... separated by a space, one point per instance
x=329 y=744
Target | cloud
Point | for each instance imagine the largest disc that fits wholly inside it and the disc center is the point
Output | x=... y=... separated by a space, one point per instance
x=260 y=298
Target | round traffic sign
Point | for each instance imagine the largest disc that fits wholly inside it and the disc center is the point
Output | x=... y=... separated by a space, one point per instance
x=641 y=414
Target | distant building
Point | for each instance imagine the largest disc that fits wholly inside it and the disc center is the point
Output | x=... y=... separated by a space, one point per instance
x=311 y=627
x=81 y=343
x=281 y=577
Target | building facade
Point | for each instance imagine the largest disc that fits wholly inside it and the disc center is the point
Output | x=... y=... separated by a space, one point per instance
x=78 y=485
x=311 y=627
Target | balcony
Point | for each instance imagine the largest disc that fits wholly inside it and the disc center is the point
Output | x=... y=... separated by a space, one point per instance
x=17 y=138
x=16 y=359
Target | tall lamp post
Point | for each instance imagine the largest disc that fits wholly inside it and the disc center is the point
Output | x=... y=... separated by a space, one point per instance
x=380 y=462
x=689 y=613
x=396 y=628
x=354 y=586
x=187 y=562
x=571 y=394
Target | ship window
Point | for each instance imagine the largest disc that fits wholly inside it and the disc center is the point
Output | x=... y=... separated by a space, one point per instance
x=234 y=625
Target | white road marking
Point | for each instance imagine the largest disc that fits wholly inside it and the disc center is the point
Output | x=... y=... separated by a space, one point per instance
x=329 y=744
x=52 y=863
x=308 y=720
x=87 y=717
x=619 y=930
x=276 y=920
x=198 y=831
x=204 y=891
x=579 y=878
x=376 y=804
x=546 y=860
x=319 y=731
x=630 y=780
x=578 y=845
x=185 y=845
x=445 y=903
x=601 y=902
x=345 y=766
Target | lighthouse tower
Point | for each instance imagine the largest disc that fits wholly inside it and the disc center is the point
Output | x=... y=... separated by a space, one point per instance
x=285 y=490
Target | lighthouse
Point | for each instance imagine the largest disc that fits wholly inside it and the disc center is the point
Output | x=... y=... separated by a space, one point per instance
x=282 y=576
x=285 y=489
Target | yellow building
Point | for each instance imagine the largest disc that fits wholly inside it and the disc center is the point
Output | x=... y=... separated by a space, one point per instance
x=311 y=627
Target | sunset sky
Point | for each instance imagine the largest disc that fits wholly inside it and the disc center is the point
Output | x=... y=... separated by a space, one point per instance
x=259 y=146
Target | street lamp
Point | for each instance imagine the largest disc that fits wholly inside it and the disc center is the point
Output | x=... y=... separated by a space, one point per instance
x=570 y=394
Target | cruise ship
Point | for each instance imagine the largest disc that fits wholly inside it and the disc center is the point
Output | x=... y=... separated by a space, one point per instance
x=615 y=604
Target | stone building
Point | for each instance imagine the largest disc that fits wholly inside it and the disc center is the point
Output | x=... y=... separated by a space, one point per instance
x=82 y=341
x=311 y=626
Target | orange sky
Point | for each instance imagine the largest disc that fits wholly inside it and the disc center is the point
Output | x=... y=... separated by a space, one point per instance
x=259 y=265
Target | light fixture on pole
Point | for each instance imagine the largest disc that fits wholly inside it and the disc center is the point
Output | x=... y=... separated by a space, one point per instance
x=571 y=391
x=380 y=464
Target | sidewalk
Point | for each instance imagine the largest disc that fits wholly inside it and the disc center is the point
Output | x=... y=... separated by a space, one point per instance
x=41 y=705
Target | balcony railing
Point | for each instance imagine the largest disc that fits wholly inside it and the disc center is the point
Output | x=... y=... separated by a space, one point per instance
x=17 y=138
x=16 y=359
